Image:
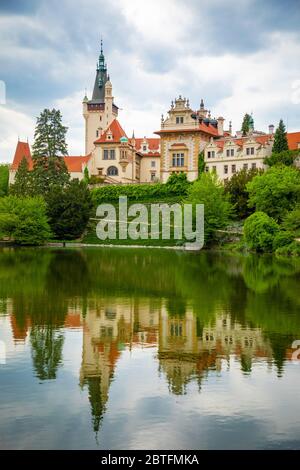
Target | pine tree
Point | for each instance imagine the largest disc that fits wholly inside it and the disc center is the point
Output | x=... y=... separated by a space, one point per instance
x=49 y=147
x=280 y=139
x=50 y=135
x=246 y=124
x=22 y=186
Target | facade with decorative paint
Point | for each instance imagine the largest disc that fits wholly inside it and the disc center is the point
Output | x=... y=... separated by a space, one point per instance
x=184 y=135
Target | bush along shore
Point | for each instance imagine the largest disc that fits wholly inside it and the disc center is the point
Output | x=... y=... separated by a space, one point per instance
x=256 y=210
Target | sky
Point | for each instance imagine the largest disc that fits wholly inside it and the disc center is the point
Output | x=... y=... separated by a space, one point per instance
x=238 y=56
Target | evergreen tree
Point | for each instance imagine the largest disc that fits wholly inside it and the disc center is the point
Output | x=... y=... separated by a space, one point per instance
x=50 y=135
x=86 y=177
x=201 y=163
x=280 y=139
x=22 y=186
x=247 y=121
x=49 y=147
x=4 y=177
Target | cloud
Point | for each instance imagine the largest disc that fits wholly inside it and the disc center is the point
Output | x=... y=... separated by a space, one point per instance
x=238 y=57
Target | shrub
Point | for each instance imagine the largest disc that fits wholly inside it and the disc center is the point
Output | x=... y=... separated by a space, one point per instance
x=69 y=210
x=287 y=158
x=209 y=191
x=4 y=176
x=275 y=192
x=178 y=183
x=293 y=249
x=235 y=187
x=291 y=221
x=137 y=192
x=24 y=220
x=282 y=238
x=260 y=231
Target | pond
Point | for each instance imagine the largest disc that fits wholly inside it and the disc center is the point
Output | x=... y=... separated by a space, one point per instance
x=148 y=349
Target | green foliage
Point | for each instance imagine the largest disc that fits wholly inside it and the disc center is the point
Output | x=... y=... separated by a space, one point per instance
x=247 y=121
x=50 y=135
x=291 y=221
x=4 y=176
x=69 y=210
x=178 y=183
x=282 y=238
x=280 y=139
x=86 y=177
x=286 y=157
x=275 y=192
x=201 y=164
x=138 y=192
x=260 y=231
x=235 y=187
x=209 y=191
x=293 y=249
x=24 y=220
x=22 y=186
x=48 y=172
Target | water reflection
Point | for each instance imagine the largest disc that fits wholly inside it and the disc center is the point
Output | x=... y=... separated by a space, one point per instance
x=194 y=313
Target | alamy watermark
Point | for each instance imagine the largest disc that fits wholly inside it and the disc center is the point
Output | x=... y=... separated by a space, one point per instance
x=2 y=92
x=159 y=221
x=2 y=353
x=296 y=353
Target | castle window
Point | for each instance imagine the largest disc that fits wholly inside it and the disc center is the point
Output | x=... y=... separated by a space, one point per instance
x=179 y=119
x=227 y=153
x=178 y=159
x=153 y=164
x=144 y=148
x=112 y=171
x=213 y=154
x=225 y=169
x=233 y=168
x=232 y=152
x=245 y=166
x=207 y=169
x=112 y=154
x=97 y=133
x=153 y=175
x=105 y=154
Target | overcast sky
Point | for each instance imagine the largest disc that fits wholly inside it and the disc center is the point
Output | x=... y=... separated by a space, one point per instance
x=239 y=56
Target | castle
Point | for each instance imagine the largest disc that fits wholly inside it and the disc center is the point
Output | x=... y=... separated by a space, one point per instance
x=111 y=157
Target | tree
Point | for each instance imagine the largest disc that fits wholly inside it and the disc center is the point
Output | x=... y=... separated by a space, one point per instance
x=24 y=220
x=209 y=191
x=201 y=163
x=246 y=124
x=178 y=183
x=286 y=157
x=260 y=231
x=22 y=186
x=280 y=139
x=69 y=210
x=235 y=187
x=291 y=221
x=86 y=177
x=275 y=192
x=4 y=176
x=49 y=147
x=50 y=135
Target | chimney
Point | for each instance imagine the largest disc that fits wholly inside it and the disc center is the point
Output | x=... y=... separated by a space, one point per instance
x=271 y=129
x=220 y=125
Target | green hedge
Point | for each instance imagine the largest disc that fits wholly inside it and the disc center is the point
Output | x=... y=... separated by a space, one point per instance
x=4 y=175
x=138 y=192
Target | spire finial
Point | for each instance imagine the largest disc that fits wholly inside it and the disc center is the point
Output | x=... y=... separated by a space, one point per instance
x=101 y=51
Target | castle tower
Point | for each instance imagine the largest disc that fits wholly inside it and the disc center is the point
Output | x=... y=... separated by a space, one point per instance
x=100 y=111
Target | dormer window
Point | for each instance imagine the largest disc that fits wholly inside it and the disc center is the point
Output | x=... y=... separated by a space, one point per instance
x=109 y=135
x=144 y=148
x=179 y=119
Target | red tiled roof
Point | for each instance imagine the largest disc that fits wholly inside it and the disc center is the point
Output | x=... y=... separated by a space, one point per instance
x=22 y=150
x=293 y=140
x=153 y=143
x=74 y=164
x=117 y=132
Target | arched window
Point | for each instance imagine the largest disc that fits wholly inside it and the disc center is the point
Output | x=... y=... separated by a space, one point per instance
x=112 y=171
